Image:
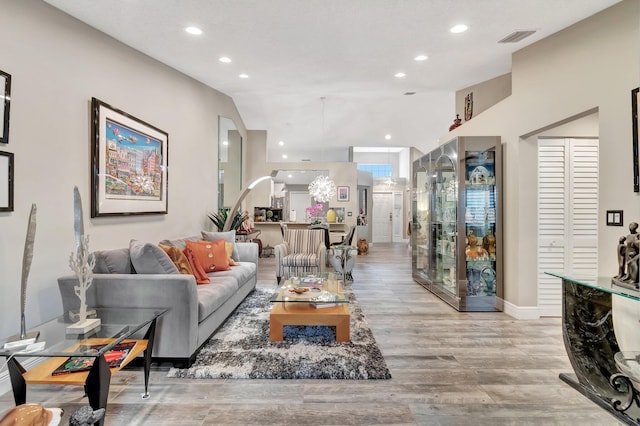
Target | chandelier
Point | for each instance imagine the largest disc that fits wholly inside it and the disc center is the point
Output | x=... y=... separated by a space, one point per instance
x=323 y=189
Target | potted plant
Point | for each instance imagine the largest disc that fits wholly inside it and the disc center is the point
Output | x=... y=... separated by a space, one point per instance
x=219 y=218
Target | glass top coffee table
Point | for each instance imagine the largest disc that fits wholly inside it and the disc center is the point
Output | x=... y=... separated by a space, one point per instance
x=314 y=299
x=122 y=332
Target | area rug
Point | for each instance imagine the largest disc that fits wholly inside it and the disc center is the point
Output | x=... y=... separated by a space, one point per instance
x=241 y=349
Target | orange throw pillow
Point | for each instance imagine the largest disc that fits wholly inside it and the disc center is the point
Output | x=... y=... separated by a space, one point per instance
x=211 y=255
x=229 y=248
x=179 y=259
x=199 y=274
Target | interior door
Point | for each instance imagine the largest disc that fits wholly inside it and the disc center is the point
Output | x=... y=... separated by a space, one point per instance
x=567 y=215
x=382 y=217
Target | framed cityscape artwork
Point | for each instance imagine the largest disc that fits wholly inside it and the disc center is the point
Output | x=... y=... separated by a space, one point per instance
x=128 y=164
x=5 y=102
x=6 y=181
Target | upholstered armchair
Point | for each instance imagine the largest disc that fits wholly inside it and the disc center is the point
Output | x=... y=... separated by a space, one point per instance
x=303 y=250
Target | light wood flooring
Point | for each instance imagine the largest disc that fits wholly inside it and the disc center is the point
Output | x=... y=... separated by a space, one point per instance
x=448 y=368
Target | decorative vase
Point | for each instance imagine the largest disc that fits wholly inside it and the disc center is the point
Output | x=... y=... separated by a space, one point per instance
x=331 y=216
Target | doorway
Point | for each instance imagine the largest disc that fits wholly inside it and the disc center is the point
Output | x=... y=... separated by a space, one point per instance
x=382 y=217
x=567 y=215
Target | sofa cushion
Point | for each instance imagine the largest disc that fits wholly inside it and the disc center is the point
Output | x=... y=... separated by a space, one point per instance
x=178 y=258
x=240 y=273
x=300 y=259
x=115 y=261
x=148 y=258
x=181 y=243
x=211 y=255
x=211 y=297
x=229 y=236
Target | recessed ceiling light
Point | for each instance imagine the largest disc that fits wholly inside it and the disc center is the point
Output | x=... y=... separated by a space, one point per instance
x=399 y=75
x=243 y=75
x=225 y=59
x=289 y=176
x=281 y=143
x=193 y=30
x=458 y=28
x=387 y=136
x=284 y=156
x=225 y=142
x=421 y=58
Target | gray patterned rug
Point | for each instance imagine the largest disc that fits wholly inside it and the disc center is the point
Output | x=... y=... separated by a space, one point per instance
x=241 y=349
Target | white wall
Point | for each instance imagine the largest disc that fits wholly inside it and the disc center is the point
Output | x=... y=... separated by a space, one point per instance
x=57 y=64
x=592 y=65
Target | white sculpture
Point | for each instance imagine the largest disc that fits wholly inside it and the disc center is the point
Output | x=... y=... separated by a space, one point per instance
x=82 y=263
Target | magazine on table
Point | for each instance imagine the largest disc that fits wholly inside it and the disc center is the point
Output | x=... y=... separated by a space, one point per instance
x=114 y=358
x=312 y=282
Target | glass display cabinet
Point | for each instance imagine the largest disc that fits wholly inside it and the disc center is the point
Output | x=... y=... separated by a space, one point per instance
x=457 y=230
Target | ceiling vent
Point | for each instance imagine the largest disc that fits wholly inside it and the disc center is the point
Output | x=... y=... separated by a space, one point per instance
x=516 y=36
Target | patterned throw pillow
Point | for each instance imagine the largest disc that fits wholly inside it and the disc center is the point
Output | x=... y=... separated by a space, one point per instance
x=229 y=247
x=178 y=258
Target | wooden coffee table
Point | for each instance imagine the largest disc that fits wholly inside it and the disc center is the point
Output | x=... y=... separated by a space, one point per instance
x=290 y=308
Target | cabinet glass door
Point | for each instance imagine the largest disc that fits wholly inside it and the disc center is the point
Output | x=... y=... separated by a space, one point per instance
x=421 y=222
x=443 y=225
x=480 y=222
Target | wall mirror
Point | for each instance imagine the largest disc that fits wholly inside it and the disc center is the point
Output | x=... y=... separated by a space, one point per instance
x=229 y=162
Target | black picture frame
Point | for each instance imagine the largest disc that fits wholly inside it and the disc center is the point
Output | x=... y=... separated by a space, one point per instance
x=5 y=81
x=129 y=164
x=635 y=99
x=6 y=181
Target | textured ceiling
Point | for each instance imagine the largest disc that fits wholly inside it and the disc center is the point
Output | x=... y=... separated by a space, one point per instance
x=321 y=72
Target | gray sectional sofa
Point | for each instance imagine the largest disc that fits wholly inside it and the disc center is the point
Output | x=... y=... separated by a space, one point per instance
x=195 y=311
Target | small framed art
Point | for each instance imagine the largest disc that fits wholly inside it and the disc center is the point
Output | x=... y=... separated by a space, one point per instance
x=5 y=103
x=128 y=164
x=6 y=181
x=343 y=193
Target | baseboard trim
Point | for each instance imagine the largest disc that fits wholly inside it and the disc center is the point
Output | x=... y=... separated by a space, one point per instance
x=521 y=312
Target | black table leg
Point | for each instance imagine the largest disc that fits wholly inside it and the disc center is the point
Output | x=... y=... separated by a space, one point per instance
x=18 y=384
x=149 y=336
x=97 y=385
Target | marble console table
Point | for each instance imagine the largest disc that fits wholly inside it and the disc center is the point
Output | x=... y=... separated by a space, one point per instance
x=590 y=340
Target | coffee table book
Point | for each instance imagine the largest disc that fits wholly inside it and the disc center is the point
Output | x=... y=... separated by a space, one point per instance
x=114 y=357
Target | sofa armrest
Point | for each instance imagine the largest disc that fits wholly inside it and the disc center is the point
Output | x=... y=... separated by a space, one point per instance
x=248 y=252
x=280 y=251
x=176 y=330
x=321 y=252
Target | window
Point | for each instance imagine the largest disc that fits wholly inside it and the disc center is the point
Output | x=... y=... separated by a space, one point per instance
x=377 y=170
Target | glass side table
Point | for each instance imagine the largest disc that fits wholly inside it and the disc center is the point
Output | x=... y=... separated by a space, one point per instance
x=117 y=326
x=343 y=258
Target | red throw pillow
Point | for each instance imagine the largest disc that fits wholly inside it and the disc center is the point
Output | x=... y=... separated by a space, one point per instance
x=199 y=274
x=211 y=255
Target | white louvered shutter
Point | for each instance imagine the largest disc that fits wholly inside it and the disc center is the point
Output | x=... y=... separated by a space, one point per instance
x=567 y=215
